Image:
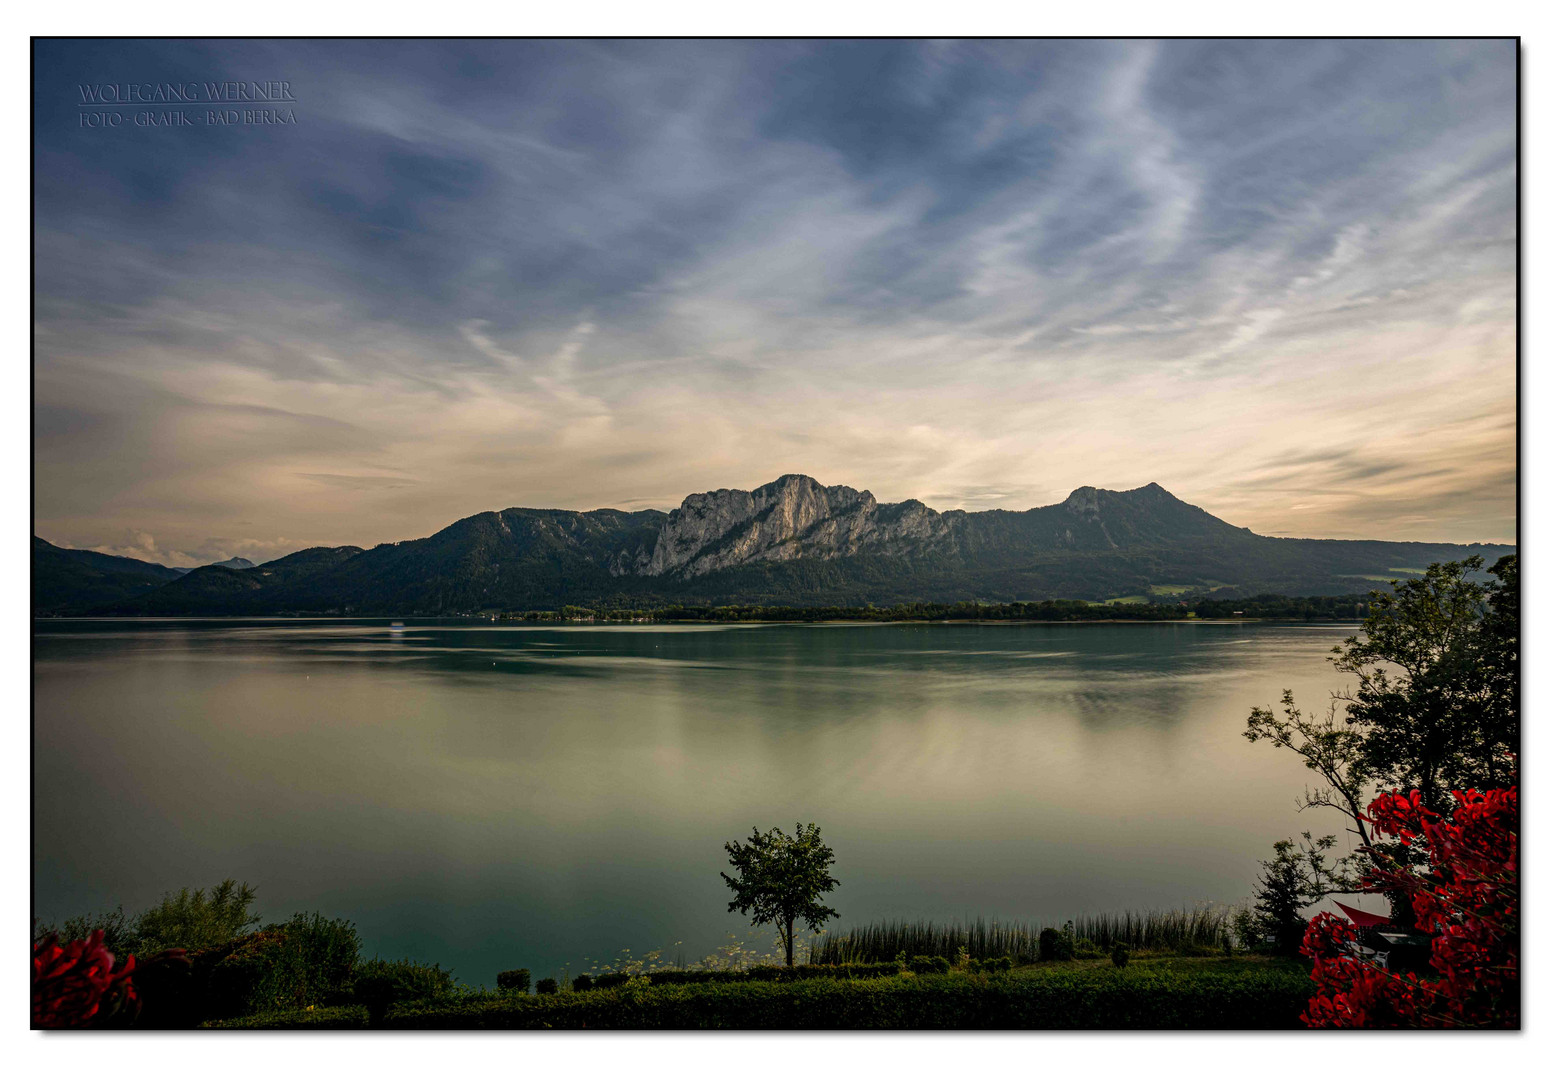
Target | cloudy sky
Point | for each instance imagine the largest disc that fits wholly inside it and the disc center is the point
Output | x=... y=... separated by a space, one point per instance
x=1276 y=278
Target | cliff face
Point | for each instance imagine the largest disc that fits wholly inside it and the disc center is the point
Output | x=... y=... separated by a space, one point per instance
x=793 y=517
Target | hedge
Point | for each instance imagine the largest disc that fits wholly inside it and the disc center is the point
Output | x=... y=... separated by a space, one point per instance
x=378 y=984
x=1138 y=997
x=333 y=1018
x=796 y=973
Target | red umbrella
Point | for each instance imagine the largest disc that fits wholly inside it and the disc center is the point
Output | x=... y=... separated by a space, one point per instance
x=1362 y=918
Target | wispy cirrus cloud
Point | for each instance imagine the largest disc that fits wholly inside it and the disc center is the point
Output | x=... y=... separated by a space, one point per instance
x=1276 y=277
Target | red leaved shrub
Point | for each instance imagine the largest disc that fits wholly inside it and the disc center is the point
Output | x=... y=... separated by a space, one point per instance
x=75 y=985
x=1466 y=900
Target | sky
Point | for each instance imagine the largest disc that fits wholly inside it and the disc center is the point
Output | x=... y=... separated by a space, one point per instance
x=1277 y=278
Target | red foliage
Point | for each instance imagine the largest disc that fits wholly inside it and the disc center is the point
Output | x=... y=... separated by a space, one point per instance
x=1467 y=901
x=75 y=986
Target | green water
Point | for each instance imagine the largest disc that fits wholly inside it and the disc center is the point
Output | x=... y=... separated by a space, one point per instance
x=492 y=796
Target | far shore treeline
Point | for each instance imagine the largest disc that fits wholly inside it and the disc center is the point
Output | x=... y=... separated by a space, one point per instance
x=1266 y=606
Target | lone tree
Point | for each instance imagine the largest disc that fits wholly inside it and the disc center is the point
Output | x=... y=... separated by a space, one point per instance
x=780 y=879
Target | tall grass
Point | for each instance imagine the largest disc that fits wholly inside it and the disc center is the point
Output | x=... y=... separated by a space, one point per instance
x=1201 y=929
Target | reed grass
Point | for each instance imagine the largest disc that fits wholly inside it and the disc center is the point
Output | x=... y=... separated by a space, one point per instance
x=1200 y=929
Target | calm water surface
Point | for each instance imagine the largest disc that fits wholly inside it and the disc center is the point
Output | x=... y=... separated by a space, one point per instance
x=493 y=796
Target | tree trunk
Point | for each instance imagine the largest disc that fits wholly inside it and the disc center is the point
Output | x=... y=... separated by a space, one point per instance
x=788 y=942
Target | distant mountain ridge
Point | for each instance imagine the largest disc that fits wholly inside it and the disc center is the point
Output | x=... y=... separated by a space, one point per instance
x=793 y=541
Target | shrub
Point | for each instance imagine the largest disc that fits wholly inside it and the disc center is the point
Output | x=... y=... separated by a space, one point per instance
x=1469 y=903
x=1085 y=949
x=75 y=985
x=992 y=965
x=583 y=982
x=380 y=983
x=196 y=920
x=1120 y=955
x=164 y=983
x=188 y=919
x=546 y=986
x=928 y=965
x=118 y=931
x=516 y=980
x=307 y=960
x=1053 y=945
x=327 y=948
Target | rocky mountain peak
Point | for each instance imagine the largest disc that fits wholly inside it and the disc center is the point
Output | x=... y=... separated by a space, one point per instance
x=794 y=516
x=237 y=562
x=1083 y=502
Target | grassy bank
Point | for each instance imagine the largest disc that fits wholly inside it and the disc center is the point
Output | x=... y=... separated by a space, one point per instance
x=204 y=960
x=1214 y=994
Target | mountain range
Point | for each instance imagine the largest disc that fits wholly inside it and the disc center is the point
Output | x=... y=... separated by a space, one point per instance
x=791 y=542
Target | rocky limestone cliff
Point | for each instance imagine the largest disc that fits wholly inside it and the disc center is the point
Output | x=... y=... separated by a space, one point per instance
x=791 y=518
x=795 y=517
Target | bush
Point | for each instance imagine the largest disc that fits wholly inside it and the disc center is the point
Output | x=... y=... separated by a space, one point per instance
x=546 y=986
x=119 y=935
x=307 y=960
x=1120 y=955
x=1053 y=945
x=380 y=983
x=196 y=920
x=1085 y=949
x=1219 y=995
x=188 y=919
x=583 y=982
x=928 y=965
x=991 y=966
x=516 y=980
x=74 y=984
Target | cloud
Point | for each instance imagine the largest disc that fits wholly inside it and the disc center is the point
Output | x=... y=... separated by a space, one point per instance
x=611 y=273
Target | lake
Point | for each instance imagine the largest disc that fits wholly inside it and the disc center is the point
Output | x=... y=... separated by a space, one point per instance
x=496 y=795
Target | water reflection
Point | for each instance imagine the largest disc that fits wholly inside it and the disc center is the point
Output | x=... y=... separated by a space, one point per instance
x=496 y=795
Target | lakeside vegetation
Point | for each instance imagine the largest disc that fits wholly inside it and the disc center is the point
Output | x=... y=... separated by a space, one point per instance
x=1203 y=931
x=1187 y=971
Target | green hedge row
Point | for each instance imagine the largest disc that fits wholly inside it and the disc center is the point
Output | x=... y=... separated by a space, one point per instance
x=796 y=973
x=1131 y=998
x=335 y=1018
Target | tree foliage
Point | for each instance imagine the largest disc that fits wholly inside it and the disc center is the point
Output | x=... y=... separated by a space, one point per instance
x=780 y=879
x=1433 y=707
x=1436 y=681
x=1298 y=875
